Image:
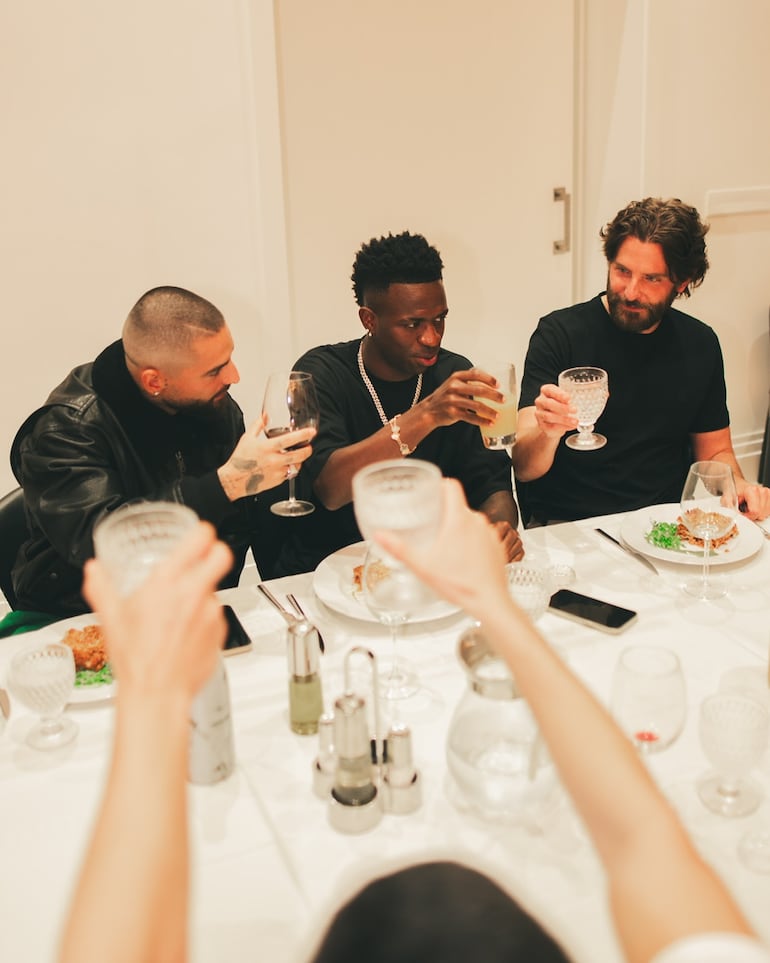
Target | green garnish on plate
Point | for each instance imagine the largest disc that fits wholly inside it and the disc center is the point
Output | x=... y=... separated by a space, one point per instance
x=103 y=676
x=664 y=535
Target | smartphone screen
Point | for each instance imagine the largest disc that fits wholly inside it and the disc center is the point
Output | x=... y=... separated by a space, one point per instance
x=590 y=611
x=237 y=638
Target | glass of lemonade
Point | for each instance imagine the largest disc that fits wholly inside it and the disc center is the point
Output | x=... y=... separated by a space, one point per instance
x=501 y=434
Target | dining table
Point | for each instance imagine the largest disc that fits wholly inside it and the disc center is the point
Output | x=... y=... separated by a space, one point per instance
x=268 y=870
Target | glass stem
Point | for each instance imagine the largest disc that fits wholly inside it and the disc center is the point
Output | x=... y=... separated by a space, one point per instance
x=706 y=554
x=292 y=496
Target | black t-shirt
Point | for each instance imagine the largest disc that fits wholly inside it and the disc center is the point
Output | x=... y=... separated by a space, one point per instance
x=663 y=387
x=348 y=415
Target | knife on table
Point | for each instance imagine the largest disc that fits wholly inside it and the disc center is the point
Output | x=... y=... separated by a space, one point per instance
x=631 y=551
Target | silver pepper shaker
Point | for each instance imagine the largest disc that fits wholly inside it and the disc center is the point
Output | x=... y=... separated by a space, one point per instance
x=212 y=751
x=354 y=803
x=402 y=788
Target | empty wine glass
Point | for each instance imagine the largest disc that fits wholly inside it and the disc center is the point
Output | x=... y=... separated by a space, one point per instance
x=733 y=734
x=131 y=541
x=648 y=696
x=392 y=594
x=709 y=506
x=290 y=403
x=530 y=588
x=42 y=680
x=588 y=392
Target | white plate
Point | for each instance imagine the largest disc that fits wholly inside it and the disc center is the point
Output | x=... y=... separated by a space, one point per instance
x=81 y=695
x=634 y=529
x=333 y=584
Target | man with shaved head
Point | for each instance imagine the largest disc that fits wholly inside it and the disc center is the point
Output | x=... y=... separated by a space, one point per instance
x=151 y=418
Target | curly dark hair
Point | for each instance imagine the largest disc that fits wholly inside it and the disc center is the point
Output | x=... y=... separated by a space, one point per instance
x=676 y=226
x=394 y=259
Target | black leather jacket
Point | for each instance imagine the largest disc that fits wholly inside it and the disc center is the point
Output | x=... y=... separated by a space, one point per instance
x=97 y=444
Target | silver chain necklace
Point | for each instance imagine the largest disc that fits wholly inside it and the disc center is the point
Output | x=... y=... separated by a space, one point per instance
x=371 y=389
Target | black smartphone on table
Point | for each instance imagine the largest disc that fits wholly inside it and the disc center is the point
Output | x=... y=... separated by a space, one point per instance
x=590 y=611
x=237 y=637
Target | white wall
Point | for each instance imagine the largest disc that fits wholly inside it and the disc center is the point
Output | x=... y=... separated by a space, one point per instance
x=676 y=96
x=132 y=157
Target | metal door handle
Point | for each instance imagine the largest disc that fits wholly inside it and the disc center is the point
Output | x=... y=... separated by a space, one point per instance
x=560 y=194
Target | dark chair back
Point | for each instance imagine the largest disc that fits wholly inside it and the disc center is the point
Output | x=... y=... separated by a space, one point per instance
x=13 y=533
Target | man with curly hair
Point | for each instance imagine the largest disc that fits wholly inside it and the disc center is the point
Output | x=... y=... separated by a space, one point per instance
x=393 y=393
x=667 y=405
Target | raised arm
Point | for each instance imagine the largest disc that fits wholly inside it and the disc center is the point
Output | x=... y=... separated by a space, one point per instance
x=163 y=642
x=540 y=429
x=660 y=889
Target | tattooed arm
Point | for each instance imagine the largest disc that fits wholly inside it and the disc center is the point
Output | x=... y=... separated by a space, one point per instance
x=259 y=462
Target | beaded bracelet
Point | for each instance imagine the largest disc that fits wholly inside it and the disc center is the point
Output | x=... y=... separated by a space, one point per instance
x=395 y=434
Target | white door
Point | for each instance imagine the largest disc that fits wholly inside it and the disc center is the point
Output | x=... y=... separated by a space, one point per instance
x=452 y=119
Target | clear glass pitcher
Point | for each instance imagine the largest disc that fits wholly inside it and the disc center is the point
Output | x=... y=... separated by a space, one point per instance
x=496 y=757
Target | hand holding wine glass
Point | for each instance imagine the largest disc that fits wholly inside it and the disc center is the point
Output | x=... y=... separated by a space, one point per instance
x=290 y=403
x=709 y=507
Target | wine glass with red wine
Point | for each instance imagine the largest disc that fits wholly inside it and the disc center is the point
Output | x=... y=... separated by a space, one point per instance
x=290 y=403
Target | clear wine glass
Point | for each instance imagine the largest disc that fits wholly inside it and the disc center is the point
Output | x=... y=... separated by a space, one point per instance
x=42 y=680
x=403 y=496
x=588 y=390
x=709 y=507
x=733 y=734
x=290 y=403
x=392 y=594
x=648 y=696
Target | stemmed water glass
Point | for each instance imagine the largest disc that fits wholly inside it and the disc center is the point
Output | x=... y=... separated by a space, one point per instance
x=733 y=733
x=42 y=680
x=402 y=496
x=588 y=391
x=648 y=696
x=392 y=593
x=290 y=403
x=709 y=507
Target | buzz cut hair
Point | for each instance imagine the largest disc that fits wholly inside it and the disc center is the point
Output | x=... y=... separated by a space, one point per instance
x=165 y=321
x=394 y=259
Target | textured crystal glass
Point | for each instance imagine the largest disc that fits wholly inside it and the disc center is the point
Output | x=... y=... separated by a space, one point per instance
x=530 y=588
x=131 y=541
x=733 y=734
x=588 y=391
x=401 y=495
x=42 y=680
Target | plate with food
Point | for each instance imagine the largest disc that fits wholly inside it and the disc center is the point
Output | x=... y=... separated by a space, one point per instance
x=659 y=532
x=93 y=674
x=337 y=583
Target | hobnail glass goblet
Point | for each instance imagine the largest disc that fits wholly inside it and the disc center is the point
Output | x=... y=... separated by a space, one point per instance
x=530 y=588
x=42 y=680
x=588 y=391
x=733 y=734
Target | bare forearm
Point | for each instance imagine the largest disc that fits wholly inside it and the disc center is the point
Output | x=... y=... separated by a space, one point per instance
x=639 y=839
x=501 y=507
x=334 y=484
x=534 y=451
x=134 y=879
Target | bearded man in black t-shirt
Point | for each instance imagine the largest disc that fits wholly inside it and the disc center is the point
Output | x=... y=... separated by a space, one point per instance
x=667 y=399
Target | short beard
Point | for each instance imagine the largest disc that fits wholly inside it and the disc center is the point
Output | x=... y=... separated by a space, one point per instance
x=634 y=322
x=211 y=412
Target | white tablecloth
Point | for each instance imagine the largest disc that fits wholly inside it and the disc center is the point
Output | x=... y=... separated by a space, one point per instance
x=267 y=867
